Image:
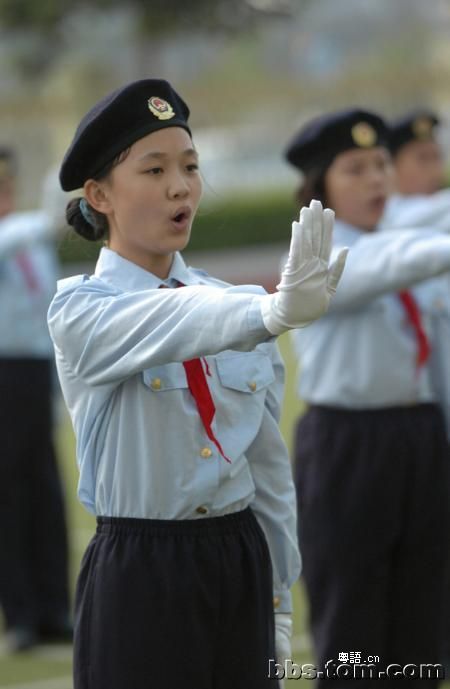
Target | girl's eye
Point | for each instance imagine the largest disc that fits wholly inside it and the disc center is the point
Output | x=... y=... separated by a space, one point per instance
x=192 y=167
x=154 y=171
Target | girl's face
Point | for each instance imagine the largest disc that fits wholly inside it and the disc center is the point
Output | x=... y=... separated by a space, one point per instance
x=150 y=199
x=419 y=168
x=357 y=185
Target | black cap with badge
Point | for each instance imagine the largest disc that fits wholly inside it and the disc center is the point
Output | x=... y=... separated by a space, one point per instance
x=418 y=125
x=323 y=138
x=116 y=122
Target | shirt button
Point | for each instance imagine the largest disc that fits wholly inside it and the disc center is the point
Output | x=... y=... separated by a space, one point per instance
x=276 y=602
x=252 y=385
x=156 y=384
x=206 y=452
x=202 y=510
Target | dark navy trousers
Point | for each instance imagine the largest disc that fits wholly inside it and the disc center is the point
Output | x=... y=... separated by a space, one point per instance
x=177 y=604
x=373 y=500
x=33 y=541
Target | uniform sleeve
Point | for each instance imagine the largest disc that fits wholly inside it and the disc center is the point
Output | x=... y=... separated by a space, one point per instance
x=106 y=336
x=386 y=262
x=24 y=229
x=274 y=504
x=423 y=212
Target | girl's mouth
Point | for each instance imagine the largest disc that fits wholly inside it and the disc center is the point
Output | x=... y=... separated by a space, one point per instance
x=181 y=218
x=378 y=203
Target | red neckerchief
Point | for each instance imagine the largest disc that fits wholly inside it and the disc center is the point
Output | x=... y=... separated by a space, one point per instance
x=413 y=313
x=199 y=389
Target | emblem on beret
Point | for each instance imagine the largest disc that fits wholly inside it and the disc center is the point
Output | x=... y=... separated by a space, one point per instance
x=160 y=108
x=422 y=127
x=364 y=135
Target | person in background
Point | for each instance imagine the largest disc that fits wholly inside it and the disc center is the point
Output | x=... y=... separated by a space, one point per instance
x=420 y=198
x=34 y=594
x=371 y=453
x=173 y=382
x=421 y=201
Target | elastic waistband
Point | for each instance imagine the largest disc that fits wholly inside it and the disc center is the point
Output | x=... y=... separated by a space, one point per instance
x=226 y=524
x=416 y=408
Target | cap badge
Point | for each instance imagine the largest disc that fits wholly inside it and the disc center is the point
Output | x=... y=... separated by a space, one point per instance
x=364 y=135
x=422 y=127
x=160 y=108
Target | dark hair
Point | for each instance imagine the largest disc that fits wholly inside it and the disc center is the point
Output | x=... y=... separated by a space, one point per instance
x=313 y=187
x=85 y=220
x=93 y=229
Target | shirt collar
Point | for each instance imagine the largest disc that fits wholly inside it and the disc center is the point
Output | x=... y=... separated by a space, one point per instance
x=118 y=271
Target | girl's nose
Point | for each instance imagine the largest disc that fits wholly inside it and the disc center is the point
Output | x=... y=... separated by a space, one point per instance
x=178 y=187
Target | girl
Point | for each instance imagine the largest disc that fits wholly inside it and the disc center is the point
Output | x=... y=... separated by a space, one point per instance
x=419 y=174
x=421 y=201
x=371 y=451
x=34 y=587
x=174 y=396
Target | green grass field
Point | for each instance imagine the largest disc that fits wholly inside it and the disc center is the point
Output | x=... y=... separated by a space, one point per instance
x=50 y=667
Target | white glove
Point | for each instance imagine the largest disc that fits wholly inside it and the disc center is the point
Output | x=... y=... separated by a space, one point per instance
x=307 y=281
x=283 y=633
x=53 y=203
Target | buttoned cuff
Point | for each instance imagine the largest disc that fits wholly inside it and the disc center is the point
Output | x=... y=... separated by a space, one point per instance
x=282 y=601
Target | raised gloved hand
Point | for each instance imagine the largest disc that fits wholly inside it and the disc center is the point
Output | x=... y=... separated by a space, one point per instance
x=283 y=633
x=308 y=281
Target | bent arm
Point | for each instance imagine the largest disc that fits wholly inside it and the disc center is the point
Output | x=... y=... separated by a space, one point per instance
x=107 y=336
x=19 y=230
x=423 y=212
x=387 y=262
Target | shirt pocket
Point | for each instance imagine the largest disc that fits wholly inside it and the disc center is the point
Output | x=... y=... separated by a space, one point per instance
x=243 y=381
x=167 y=377
x=249 y=373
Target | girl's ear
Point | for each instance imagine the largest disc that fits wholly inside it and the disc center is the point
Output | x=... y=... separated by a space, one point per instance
x=97 y=196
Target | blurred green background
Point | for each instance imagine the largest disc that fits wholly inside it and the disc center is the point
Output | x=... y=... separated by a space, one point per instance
x=251 y=71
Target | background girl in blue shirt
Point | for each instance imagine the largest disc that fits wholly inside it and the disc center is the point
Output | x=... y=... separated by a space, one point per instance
x=34 y=587
x=371 y=450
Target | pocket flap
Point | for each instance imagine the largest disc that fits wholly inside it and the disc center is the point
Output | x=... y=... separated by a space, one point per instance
x=245 y=372
x=167 y=377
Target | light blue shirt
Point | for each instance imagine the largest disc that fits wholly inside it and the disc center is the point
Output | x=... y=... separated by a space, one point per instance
x=141 y=447
x=424 y=211
x=362 y=354
x=23 y=308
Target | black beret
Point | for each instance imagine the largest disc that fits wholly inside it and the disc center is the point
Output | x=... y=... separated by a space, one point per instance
x=116 y=122
x=324 y=137
x=8 y=165
x=417 y=125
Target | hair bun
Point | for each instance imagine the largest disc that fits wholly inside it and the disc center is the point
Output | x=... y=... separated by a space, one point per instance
x=90 y=231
